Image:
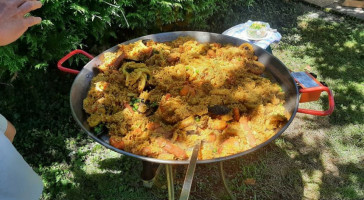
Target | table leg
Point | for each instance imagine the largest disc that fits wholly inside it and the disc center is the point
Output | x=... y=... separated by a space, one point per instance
x=224 y=181
x=169 y=172
x=269 y=49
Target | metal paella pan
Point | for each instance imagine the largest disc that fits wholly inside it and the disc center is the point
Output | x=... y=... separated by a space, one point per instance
x=275 y=70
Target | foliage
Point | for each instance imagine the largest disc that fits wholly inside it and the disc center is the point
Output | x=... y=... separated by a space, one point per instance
x=99 y=24
x=302 y=162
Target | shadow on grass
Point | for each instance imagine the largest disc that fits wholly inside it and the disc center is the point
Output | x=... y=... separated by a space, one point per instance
x=273 y=170
x=281 y=15
x=115 y=178
x=338 y=53
x=334 y=48
x=41 y=113
x=347 y=184
x=288 y=168
x=39 y=109
x=277 y=175
x=326 y=173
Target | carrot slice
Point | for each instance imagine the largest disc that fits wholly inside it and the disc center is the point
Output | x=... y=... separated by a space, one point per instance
x=126 y=105
x=184 y=91
x=172 y=148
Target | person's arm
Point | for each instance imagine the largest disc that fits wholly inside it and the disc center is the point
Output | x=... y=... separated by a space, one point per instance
x=10 y=132
x=7 y=128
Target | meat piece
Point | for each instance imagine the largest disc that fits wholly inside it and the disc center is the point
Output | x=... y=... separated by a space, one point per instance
x=217 y=124
x=275 y=121
x=229 y=146
x=117 y=142
x=234 y=129
x=172 y=148
x=167 y=109
x=136 y=51
x=186 y=122
x=152 y=126
x=118 y=61
x=173 y=58
x=211 y=53
x=236 y=114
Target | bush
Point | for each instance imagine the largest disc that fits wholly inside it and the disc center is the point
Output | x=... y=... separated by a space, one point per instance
x=98 y=24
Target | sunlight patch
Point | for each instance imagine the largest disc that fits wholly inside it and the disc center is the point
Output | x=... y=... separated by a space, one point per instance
x=350 y=44
x=312 y=181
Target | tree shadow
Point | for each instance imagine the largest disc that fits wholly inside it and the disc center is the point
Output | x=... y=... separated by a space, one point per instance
x=291 y=167
x=113 y=178
x=349 y=183
x=336 y=47
x=120 y=179
x=313 y=147
x=43 y=128
x=267 y=173
x=337 y=52
x=281 y=15
x=39 y=109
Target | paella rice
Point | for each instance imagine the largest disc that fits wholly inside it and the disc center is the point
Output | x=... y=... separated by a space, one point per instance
x=159 y=99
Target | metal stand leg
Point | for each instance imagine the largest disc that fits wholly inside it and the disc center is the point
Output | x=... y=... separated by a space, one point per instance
x=149 y=173
x=222 y=174
x=170 y=183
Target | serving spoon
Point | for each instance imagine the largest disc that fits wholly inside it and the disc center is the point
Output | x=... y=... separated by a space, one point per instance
x=186 y=189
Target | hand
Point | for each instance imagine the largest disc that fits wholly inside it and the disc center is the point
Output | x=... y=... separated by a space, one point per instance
x=13 y=24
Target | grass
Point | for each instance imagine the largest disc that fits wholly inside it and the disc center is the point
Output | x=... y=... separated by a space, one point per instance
x=316 y=157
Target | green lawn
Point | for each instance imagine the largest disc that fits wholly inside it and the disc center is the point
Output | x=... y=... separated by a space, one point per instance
x=316 y=157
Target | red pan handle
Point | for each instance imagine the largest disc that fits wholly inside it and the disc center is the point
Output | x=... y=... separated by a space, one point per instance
x=316 y=112
x=69 y=55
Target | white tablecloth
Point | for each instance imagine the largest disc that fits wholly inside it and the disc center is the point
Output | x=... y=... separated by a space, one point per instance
x=239 y=31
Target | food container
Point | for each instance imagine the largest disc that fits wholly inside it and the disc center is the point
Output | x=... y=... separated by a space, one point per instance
x=257 y=30
x=276 y=71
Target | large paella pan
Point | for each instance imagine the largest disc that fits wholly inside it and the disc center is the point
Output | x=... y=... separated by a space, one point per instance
x=231 y=114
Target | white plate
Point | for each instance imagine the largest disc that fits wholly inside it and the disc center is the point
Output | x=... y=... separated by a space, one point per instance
x=245 y=35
